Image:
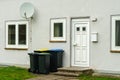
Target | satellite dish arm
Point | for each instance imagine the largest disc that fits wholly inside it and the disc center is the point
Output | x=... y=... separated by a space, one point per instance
x=25 y=15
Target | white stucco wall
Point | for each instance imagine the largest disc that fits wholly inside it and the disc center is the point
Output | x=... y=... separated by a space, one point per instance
x=100 y=56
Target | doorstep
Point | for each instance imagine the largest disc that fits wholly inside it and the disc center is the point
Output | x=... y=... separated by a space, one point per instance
x=74 y=71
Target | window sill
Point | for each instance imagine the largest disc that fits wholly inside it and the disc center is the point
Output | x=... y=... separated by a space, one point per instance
x=57 y=41
x=16 y=48
x=114 y=51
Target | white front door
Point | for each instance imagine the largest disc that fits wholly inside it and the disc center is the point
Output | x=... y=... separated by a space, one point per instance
x=80 y=42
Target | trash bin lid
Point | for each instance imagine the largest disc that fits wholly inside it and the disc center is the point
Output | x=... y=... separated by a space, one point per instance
x=30 y=53
x=55 y=49
x=42 y=49
x=42 y=53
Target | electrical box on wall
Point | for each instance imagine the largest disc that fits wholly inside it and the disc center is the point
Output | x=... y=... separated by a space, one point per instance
x=94 y=37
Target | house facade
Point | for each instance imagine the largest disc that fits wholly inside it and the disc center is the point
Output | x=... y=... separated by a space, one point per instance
x=88 y=32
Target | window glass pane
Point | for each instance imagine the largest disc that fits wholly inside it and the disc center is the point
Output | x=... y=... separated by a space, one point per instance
x=84 y=28
x=117 y=33
x=58 y=29
x=22 y=34
x=78 y=29
x=11 y=34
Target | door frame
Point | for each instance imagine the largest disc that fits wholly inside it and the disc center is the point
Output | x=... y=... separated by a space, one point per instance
x=71 y=39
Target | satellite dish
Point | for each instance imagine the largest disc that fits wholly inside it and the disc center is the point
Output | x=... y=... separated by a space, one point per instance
x=26 y=10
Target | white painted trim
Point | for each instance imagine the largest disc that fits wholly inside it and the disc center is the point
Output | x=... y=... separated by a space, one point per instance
x=81 y=20
x=58 y=20
x=113 y=19
x=16 y=23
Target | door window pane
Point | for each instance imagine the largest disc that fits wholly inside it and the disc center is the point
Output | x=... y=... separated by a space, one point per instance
x=117 y=33
x=11 y=34
x=58 y=29
x=78 y=28
x=84 y=28
x=22 y=34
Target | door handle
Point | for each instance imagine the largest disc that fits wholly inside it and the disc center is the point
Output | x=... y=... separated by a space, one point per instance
x=74 y=44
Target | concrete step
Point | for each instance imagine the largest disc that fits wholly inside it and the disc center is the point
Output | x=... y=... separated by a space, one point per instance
x=73 y=71
x=67 y=74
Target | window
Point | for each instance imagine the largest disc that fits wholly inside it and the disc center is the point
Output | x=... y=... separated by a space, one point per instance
x=58 y=29
x=115 y=41
x=17 y=34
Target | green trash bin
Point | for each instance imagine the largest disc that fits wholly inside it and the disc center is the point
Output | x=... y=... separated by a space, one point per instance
x=56 y=59
x=33 y=62
x=39 y=62
x=43 y=63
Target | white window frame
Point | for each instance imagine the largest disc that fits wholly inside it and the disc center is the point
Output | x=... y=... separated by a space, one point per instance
x=57 y=20
x=114 y=48
x=16 y=23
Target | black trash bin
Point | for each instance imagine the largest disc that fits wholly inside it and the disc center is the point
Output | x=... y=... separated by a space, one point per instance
x=39 y=62
x=33 y=62
x=56 y=59
x=44 y=63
